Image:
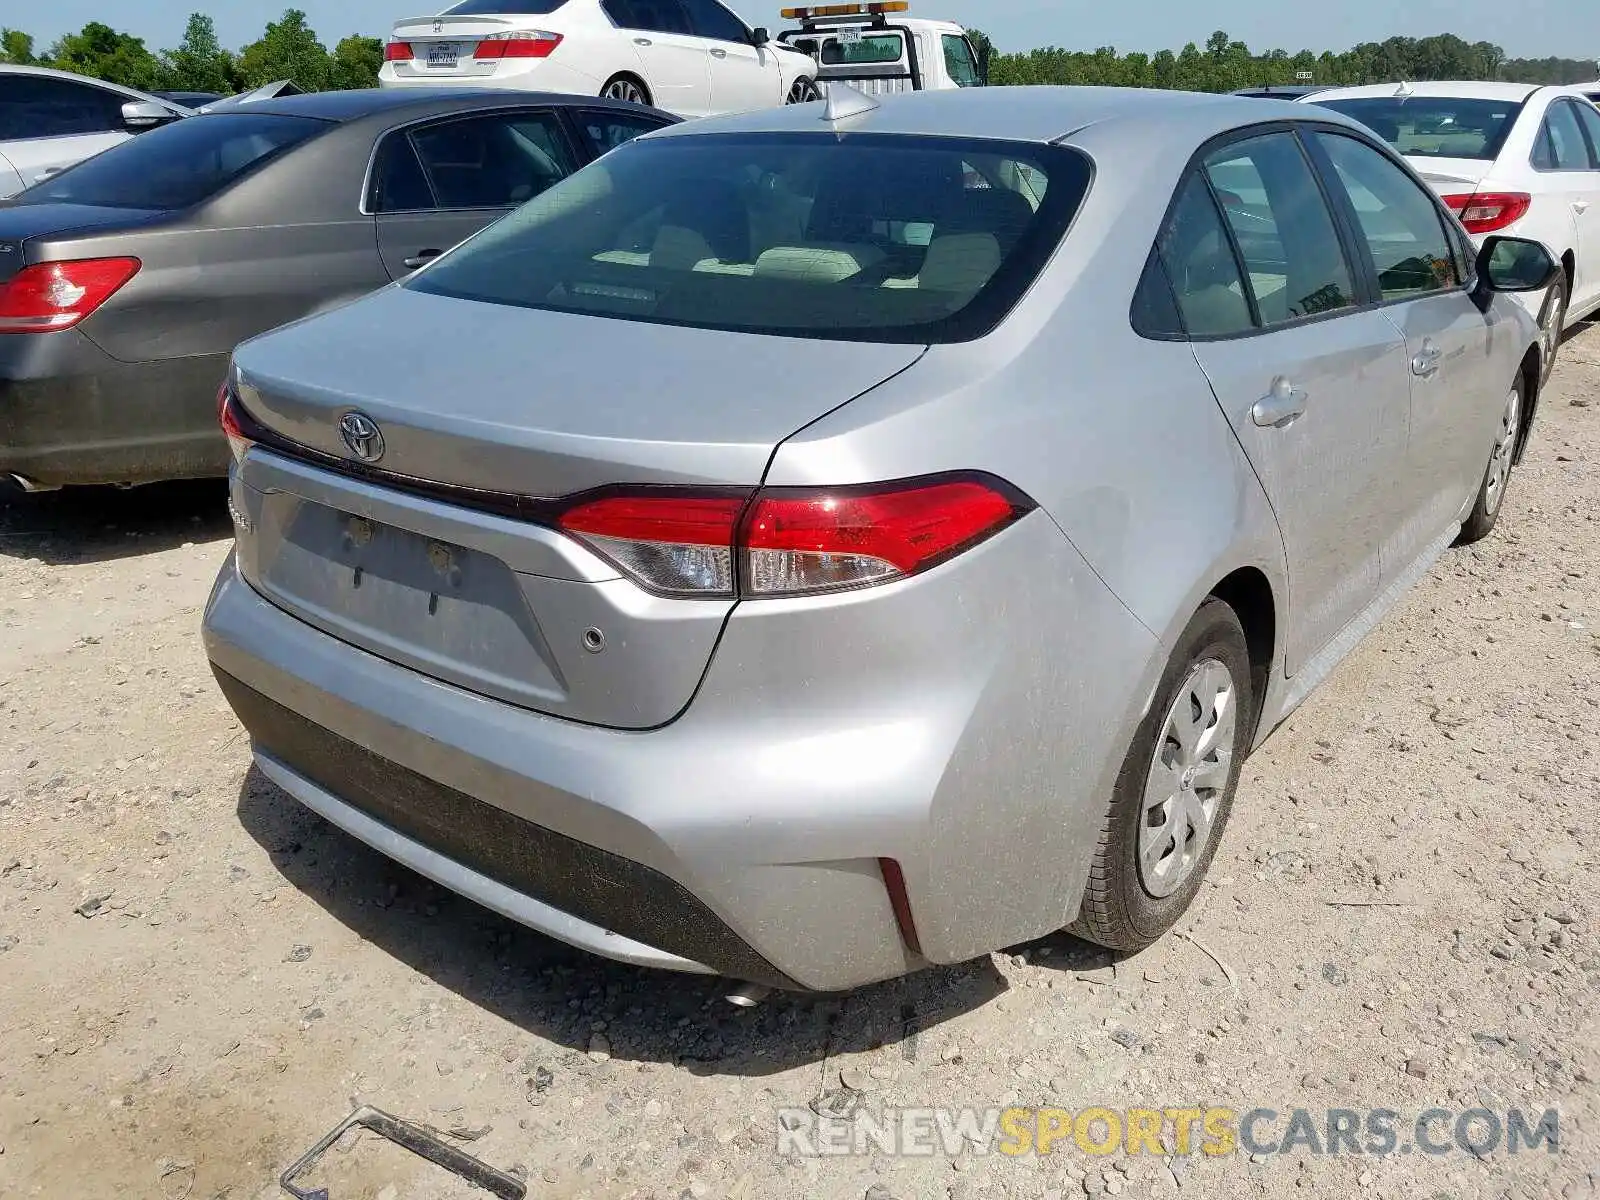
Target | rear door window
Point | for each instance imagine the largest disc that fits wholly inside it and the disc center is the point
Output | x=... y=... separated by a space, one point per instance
x=493 y=161
x=399 y=184
x=653 y=16
x=36 y=106
x=870 y=238
x=1400 y=224
x=1295 y=265
x=1561 y=145
x=1200 y=262
x=1589 y=118
x=607 y=130
x=178 y=165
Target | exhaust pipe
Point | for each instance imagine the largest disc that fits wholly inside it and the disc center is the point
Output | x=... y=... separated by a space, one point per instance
x=747 y=995
x=31 y=485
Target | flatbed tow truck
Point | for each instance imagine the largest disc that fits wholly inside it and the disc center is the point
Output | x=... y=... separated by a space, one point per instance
x=877 y=49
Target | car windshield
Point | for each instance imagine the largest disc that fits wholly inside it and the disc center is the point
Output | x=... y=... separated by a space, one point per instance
x=865 y=238
x=177 y=165
x=1434 y=126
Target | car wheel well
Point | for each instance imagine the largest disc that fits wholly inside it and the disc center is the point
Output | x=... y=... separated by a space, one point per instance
x=1248 y=592
x=1569 y=264
x=1530 y=369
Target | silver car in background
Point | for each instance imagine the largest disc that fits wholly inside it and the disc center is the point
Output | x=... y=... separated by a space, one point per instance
x=813 y=545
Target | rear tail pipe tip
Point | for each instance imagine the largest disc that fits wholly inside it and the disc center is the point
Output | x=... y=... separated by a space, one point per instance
x=747 y=995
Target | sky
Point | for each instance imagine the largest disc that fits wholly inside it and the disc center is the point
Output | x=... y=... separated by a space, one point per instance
x=1525 y=28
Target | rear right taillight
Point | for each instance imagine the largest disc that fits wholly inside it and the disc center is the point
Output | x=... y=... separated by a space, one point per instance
x=398 y=52
x=230 y=417
x=1489 y=212
x=522 y=43
x=52 y=296
x=791 y=541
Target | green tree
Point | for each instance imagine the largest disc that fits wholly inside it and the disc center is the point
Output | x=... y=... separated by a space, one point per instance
x=356 y=61
x=16 y=47
x=101 y=51
x=200 y=64
x=289 y=49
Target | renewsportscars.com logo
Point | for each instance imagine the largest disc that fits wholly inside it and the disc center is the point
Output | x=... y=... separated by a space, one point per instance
x=1098 y=1131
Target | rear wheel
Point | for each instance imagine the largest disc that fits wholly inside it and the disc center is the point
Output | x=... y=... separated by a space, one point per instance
x=804 y=91
x=626 y=87
x=1175 y=790
x=1551 y=318
x=1492 y=492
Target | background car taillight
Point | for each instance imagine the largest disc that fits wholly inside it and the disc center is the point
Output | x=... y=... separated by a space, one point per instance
x=229 y=417
x=526 y=43
x=790 y=541
x=48 y=297
x=1489 y=212
x=398 y=52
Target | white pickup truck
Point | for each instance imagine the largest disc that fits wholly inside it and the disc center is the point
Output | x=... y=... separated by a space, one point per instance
x=877 y=50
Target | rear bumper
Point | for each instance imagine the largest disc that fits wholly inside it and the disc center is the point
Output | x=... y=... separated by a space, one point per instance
x=71 y=414
x=965 y=731
x=522 y=74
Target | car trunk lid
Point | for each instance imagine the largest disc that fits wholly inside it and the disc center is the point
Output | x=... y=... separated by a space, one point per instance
x=22 y=226
x=445 y=47
x=1450 y=176
x=403 y=567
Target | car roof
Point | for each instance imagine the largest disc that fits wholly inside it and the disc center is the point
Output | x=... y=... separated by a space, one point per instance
x=1465 y=89
x=365 y=102
x=52 y=73
x=1028 y=114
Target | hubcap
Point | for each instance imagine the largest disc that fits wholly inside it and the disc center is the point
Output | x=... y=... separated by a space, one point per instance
x=803 y=92
x=1505 y=447
x=1188 y=776
x=623 y=89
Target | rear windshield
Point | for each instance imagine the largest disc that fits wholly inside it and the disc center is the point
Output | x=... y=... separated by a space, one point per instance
x=1435 y=126
x=177 y=165
x=863 y=238
x=532 y=8
x=864 y=49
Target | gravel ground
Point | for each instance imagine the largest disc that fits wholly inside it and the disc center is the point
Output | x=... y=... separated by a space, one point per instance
x=198 y=978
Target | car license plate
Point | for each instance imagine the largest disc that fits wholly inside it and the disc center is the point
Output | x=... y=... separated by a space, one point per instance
x=445 y=54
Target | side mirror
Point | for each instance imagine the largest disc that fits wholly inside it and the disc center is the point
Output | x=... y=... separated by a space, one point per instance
x=760 y=35
x=1510 y=264
x=146 y=114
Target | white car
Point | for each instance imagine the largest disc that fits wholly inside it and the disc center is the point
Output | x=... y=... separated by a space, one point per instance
x=1508 y=158
x=50 y=120
x=689 y=57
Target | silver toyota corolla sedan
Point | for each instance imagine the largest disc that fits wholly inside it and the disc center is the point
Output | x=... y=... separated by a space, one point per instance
x=812 y=545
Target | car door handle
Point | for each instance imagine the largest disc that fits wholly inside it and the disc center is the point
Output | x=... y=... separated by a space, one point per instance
x=422 y=258
x=1425 y=363
x=719 y=54
x=643 y=42
x=1581 y=206
x=1281 y=407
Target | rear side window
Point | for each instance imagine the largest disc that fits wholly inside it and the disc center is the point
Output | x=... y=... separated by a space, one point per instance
x=1201 y=265
x=1435 y=126
x=803 y=235
x=34 y=106
x=655 y=16
x=1294 y=262
x=178 y=165
x=1561 y=146
x=493 y=161
x=1399 y=222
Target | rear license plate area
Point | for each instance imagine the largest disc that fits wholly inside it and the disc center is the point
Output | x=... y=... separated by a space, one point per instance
x=444 y=54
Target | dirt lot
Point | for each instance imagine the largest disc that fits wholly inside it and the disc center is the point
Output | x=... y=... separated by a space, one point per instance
x=198 y=978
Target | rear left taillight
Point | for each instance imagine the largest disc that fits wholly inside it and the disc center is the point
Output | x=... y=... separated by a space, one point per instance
x=229 y=416
x=524 y=43
x=48 y=297
x=1489 y=212
x=398 y=52
x=791 y=541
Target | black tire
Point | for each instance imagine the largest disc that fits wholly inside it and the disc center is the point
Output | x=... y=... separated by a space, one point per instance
x=1491 y=501
x=1554 y=308
x=1118 y=910
x=638 y=91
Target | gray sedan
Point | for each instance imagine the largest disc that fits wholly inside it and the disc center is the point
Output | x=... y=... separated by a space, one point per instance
x=126 y=281
x=842 y=540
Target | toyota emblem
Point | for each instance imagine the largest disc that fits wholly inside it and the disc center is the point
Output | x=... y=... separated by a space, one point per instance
x=362 y=436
